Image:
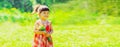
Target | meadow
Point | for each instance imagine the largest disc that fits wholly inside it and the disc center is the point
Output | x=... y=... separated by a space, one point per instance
x=15 y=35
x=73 y=26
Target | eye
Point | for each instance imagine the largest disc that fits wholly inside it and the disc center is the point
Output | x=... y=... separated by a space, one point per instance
x=47 y=12
x=44 y=13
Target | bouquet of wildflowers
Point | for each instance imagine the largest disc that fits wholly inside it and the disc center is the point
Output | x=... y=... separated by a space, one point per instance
x=46 y=29
x=42 y=28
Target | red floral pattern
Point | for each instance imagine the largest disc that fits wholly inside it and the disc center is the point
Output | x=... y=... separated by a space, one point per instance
x=41 y=40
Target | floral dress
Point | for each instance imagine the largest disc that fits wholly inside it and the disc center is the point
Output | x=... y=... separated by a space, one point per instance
x=40 y=40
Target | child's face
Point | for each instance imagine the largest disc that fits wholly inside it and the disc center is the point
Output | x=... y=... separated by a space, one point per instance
x=44 y=15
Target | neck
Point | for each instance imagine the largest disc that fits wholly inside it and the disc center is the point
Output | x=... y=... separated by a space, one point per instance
x=43 y=19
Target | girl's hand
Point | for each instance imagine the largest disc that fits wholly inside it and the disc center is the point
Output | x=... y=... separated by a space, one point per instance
x=47 y=35
x=42 y=32
x=39 y=32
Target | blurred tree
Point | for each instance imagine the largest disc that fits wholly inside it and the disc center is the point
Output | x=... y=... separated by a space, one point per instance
x=38 y=1
x=44 y=2
x=26 y=5
x=23 y=5
x=5 y=3
x=50 y=2
x=109 y=7
x=61 y=1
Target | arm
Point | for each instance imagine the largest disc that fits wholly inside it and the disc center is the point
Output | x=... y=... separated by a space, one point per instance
x=36 y=29
x=39 y=32
x=50 y=32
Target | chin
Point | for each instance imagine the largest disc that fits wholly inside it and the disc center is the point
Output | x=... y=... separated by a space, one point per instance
x=45 y=18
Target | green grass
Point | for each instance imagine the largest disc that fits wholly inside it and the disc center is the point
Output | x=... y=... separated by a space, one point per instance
x=73 y=24
x=15 y=35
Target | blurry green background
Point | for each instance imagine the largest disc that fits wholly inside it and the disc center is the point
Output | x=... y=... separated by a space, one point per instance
x=76 y=23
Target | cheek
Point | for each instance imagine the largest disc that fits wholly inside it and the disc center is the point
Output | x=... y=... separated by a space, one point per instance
x=42 y=16
x=47 y=16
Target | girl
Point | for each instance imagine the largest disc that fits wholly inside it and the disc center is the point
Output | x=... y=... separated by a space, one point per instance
x=43 y=28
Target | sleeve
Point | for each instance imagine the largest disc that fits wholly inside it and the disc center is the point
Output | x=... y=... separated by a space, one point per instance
x=36 y=26
x=51 y=28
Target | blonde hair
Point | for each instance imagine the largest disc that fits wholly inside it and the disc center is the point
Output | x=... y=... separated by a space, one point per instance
x=39 y=8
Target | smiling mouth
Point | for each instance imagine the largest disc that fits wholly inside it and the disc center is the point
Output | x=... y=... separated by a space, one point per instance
x=46 y=16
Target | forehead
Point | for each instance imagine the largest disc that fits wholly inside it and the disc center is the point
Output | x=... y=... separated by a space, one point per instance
x=45 y=12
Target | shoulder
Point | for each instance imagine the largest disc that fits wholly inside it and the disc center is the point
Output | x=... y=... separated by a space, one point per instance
x=49 y=22
x=37 y=21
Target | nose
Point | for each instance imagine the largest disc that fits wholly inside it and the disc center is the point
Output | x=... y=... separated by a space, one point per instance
x=46 y=14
